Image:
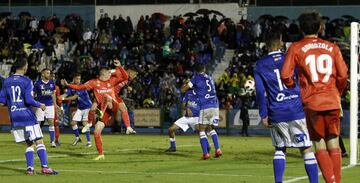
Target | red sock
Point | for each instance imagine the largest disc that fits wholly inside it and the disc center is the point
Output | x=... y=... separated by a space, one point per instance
x=57 y=133
x=125 y=118
x=98 y=142
x=325 y=165
x=335 y=156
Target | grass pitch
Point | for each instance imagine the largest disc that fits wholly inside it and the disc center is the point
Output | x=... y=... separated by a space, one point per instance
x=141 y=158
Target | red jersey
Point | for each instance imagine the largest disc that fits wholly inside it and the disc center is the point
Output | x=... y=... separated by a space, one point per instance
x=103 y=89
x=322 y=73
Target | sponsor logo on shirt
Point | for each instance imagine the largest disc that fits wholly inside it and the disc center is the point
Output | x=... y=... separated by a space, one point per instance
x=14 y=108
x=281 y=97
x=104 y=91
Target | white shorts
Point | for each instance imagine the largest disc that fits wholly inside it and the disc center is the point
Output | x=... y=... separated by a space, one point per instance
x=209 y=116
x=31 y=133
x=81 y=115
x=185 y=122
x=49 y=113
x=290 y=134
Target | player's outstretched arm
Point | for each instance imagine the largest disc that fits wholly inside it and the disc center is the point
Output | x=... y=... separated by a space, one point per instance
x=89 y=85
x=119 y=75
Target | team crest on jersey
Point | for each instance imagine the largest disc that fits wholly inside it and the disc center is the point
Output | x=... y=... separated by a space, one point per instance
x=108 y=85
x=300 y=137
x=42 y=87
x=51 y=85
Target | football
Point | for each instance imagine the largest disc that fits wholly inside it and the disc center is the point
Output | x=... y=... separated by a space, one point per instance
x=249 y=86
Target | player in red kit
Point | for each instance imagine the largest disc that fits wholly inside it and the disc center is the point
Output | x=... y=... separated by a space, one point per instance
x=103 y=88
x=323 y=76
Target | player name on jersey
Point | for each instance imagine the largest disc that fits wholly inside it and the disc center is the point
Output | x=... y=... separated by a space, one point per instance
x=309 y=46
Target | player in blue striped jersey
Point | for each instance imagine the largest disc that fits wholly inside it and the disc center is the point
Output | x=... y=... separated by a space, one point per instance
x=281 y=110
x=16 y=93
x=204 y=88
x=81 y=115
x=44 y=90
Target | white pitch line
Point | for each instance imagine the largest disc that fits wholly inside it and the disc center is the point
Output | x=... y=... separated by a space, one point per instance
x=319 y=174
x=156 y=173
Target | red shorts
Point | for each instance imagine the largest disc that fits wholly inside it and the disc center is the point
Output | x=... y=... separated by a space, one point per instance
x=323 y=124
x=108 y=113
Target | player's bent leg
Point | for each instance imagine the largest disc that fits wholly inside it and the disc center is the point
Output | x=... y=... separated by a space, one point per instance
x=311 y=166
x=171 y=132
x=98 y=141
x=324 y=160
x=87 y=134
x=42 y=154
x=279 y=163
x=52 y=132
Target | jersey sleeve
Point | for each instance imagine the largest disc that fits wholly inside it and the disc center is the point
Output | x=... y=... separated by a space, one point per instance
x=341 y=71
x=119 y=76
x=2 y=96
x=89 y=85
x=119 y=86
x=288 y=68
x=29 y=99
x=260 y=95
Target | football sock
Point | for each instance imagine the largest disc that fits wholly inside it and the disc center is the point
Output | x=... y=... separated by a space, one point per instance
x=215 y=139
x=75 y=130
x=57 y=130
x=87 y=134
x=279 y=166
x=29 y=155
x=125 y=118
x=335 y=156
x=172 y=143
x=41 y=151
x=52 y=133
x=98 y=142
x=204 y=142
x=311 y=167
x=326 y=165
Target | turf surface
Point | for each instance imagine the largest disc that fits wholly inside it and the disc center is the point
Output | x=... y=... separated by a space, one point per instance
x=141 y=158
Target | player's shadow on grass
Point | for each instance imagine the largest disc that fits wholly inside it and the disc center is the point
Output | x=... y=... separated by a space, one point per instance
x=12 y=169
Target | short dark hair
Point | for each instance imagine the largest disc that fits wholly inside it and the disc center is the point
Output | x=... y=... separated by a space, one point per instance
x=20 y=63
x=272 y=37
x=104 y=68
x=46 y=69
x=76 y=75
x=199 y=67
x=310 y=22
